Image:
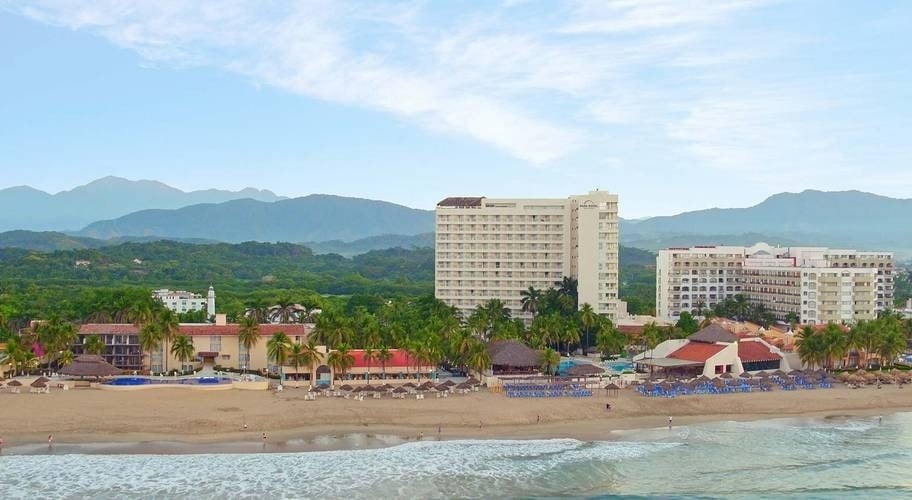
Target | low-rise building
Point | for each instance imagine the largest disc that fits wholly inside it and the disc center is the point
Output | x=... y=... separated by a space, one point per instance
x=181 y=301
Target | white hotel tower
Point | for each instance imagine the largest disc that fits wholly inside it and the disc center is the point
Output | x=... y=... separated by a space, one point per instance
x=492 y=248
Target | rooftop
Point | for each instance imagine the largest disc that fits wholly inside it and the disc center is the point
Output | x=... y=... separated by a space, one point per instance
x=712 y=334
x=697 y=351
x=461 y=201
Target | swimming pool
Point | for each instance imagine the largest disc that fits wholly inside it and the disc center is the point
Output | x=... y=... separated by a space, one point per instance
x=133 y=381
x=619 y=366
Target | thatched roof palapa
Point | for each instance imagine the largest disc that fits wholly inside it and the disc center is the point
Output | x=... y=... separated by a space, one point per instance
x=584 y=370
x=713 y=334
x=39 y=384
x=90 y=365
x=14 y=383
x=512 y=353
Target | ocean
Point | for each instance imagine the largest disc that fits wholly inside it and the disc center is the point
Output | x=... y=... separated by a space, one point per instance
x=836 y=457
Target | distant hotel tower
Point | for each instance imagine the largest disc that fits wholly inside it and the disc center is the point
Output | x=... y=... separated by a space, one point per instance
x=489 y=248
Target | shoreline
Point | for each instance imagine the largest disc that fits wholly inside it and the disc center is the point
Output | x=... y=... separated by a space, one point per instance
x=363 y=436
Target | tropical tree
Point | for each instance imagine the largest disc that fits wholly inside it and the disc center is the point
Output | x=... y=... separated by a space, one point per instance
x=587 y=318
x=150 y=339
x=277 y=349
x=384 y=356
x=549 y=359
x=302 y=355
x=340 y=359
x=93 y=345
x=609 y=340
x=369 y=355
x=687 y=323
x=531 y=300
x=478 y=359
x=811 y=349
x=182 y=349
x=65 y=358
x=892 y=342
x=248 y=335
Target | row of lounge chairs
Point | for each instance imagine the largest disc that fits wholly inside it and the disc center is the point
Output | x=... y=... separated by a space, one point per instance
x=546 y=390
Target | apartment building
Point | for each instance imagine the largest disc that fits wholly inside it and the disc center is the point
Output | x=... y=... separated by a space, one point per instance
x=817 y=285
x=491 y=248
x=181 y=301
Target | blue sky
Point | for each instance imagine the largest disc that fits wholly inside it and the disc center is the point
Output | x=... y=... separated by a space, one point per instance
x=674 y=104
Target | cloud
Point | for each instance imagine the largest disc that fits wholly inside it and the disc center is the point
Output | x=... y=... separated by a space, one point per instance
x=541 y=81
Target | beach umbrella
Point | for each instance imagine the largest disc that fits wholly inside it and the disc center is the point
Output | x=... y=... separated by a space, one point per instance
x=780 y=373
x=746 y=375
x=726 y=375
x=463 y=386
x=762 y=374
x=39 y=384
x=42 y=379
x=409 y=385
x=14 y=383
x=473 y=381
x=442 y=388
x=718 y=383
x=703 y=378
x=316 y=389
x=449 y=383
x=400 y=390
x=346 y=388
x=795 y=373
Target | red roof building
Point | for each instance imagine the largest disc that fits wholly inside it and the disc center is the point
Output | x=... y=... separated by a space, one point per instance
x=400 y=359
x=697 y=351
x=751 y=352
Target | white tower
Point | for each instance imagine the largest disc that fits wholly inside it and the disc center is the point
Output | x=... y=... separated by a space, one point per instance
x=210 y=302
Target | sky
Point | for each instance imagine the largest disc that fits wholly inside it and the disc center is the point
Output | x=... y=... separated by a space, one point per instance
x=675 y=105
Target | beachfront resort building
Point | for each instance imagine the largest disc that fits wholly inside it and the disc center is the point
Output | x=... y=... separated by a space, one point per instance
x=181 y=301
x=216 y=344
x=713 y=352
x=494 y=248
x=814 y=284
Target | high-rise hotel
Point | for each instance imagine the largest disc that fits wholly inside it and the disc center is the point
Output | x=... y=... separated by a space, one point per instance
x=817 y=285
x=492 y=248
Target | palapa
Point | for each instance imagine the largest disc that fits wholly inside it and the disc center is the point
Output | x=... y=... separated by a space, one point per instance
x=90 y=365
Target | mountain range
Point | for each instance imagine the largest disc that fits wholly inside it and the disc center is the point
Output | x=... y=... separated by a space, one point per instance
x=818 y=218
x=348 y=226
x=24 y=207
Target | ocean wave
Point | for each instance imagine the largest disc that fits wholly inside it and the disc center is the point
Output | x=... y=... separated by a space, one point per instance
x=428 y=469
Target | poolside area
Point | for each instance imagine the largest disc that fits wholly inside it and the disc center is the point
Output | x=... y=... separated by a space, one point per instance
x=200 y=383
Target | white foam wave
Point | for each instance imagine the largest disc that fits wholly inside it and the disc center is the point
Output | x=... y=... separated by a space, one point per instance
x=422 y=469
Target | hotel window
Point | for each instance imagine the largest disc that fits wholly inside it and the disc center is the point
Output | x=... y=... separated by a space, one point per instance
x=215 y=343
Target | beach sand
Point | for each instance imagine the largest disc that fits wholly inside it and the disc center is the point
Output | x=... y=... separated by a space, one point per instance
x=177 y=420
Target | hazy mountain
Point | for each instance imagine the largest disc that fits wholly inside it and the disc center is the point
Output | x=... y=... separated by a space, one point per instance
x=382 y=242
x=843 y=218
x=316 y=217
x=23 y=207
x=51 y=241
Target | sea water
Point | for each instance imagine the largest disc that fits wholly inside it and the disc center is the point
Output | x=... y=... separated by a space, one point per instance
x=837 y=457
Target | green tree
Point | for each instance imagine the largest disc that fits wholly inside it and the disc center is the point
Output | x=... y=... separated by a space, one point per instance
x=588 y=319
x=341 y=360
x=478 y=359
x=182 y=349
x=248 y=335
x=150 y=339
x=93 y=345
x=687 y=323
x=384 y=356
x=277 y=349
x=549 y=360
x=66 y=357
x=609 y=340
x=531 y=300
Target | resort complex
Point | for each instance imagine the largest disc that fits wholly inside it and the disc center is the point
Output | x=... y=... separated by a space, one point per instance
x=810 y=285
x=495 y=248
x=182 y=302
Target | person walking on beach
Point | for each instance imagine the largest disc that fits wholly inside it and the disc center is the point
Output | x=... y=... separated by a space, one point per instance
x=265 y=437
x=1 y=445
x=669 y=422
x=50 y=440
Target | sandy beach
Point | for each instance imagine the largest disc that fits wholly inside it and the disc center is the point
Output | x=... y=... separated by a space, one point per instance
x=213 y=420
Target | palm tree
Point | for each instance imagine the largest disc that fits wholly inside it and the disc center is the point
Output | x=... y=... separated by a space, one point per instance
x=93 y=344
x=892 y=342
x=341 y=359
x=170 y=328
x=150 y=339
x=369 y=355
x=277 y=349
x=65 y=358
x=384 y=356
x=531 y=300
x=248 y=335
x=587 y=318
x=182 y=349
x=811 y=348
x=478 y=359
x=296 y=356
x=609 y=340
x=549 y=359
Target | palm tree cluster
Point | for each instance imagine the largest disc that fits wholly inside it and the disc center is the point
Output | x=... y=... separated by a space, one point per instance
x=880 y=340
x=737 y=307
